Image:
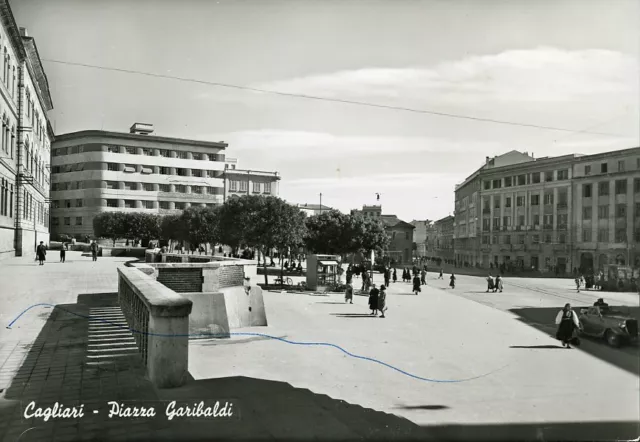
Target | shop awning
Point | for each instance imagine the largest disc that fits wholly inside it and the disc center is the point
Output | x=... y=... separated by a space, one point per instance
x=329 y=263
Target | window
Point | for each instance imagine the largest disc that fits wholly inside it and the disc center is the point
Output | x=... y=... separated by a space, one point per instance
x=536 y=220
x=486 y=224
x=55 y=221
x=520 y=239
x=233 y=186
x=211 y=173
x=621 y=210
x=621 y=166
x=547 y=238
x=487 y=185
x=548 y=221
x=406 y=235
x=196 y=156
x=637 y=210
x=548 y=176
x=180 y=206
x=243 y=186
x=506 y=221
x=180 y=188
x=148 y=152
x=603 y=212
x=495 y=239
x=112 y=184
x=535 y=177
x=636 y=185
x=196 y=189
x=267 y=187
x=587 y=170
x=535 y=239
x=535 y=200
x=165 y=171
x=522 y=180
x=562 y=220
x=130 y=204
x=521 y=220
x=485 y=239
x=548 y=198
x=496 y=223
x=563 y=174
x=507 y=202
x=256 y=187
x=67 y=221
x=520 y=201
x=497 y=184
x=164 y=205
x=508 y=181
x=621 y=187
x=148 y=187
x=586 y=235
x=164 y=188
x=113 y=149
x=507 y=239
x=112 y=167
x=78 y=203
x=130 y=150
x=112 y=203
x=165 y=153
x=196 y=173
x=603 y=235
x=604 y=168
x=181 y=172
x=182 y=155
x=78 y=220
x=562 y=238
x=621 y=235
x=147 y=204
x=603 y=188
x=496 y=203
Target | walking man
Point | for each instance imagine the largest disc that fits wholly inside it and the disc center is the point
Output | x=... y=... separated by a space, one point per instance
x=41 y=253
x=94 y=250
x=63 y=252
x=387 y=276
x=423 y=276
x=382 y=297
x=348 y=294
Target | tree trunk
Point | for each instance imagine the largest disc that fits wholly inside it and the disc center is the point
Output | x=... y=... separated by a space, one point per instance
x=266 y=281
x=281 y=274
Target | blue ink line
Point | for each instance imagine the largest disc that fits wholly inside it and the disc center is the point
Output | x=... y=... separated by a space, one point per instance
x=213 y=335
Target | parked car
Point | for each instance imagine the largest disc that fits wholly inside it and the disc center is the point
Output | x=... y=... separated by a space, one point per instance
x=616 y=327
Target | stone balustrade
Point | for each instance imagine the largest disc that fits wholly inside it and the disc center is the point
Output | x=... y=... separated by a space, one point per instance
x=160 y=320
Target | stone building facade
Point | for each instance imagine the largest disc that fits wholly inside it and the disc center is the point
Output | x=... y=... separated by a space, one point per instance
x=25 y=141
x=249 y=182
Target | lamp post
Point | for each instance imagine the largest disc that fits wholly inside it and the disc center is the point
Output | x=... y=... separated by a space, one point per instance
x=320 y=203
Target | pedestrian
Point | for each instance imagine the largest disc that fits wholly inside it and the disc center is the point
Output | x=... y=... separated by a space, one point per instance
x=489 y=283
x=63 y=253
x=348 y=294
x=441 y=274
x=416 y=285
x=567 y=322
x=373 y=300
x=498 y=285
x=423 y=277
x=387 y=277
x=41 y=253
x=452 y=281
x=395 y=275
x=382 y=297
x=94 y=250
x=577 y=281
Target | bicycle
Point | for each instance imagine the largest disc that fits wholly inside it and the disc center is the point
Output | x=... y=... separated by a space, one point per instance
x=287 y=281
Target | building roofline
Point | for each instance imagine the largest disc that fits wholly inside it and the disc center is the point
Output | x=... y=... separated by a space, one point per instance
x=137 y=137
x=605 y=154
x=251 y=172
x=13 y=29
x=40 y=76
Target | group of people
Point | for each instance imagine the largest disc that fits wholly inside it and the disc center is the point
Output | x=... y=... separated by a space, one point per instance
x=41 y=252
x=494 y=286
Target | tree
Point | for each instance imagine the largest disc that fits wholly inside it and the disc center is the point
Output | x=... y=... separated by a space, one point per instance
x=201 y=225
x=172 y=228
x=262 y=222
x=110 y=225
x=142 y=226
x=369 y=235
x=331 y=232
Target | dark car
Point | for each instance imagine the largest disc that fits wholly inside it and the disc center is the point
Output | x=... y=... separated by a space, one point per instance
x=616 y=327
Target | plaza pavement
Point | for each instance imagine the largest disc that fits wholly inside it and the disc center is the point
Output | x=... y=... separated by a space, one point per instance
x=441 y=334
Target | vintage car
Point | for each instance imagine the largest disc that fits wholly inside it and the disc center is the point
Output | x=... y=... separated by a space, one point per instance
x=616 y=327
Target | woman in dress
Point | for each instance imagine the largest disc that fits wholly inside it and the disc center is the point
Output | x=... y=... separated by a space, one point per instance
x=382 y=298
x=395 y=275
x=567 y=322
x=373 y=300
x=348 y=294
x=498 y=285
x=452 y=281
x=416 y=285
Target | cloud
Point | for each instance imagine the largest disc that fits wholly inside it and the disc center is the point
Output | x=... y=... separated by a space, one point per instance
x=533 y=75
x=299 y=144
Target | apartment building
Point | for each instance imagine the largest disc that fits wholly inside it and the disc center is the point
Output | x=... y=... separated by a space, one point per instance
x=400 y=248
x=373 y=211
x=606 y=215
x=248 y=182
x=96 y=171
x=25 y=141
x=444 y=239
x=423 y=236
x=547 y=214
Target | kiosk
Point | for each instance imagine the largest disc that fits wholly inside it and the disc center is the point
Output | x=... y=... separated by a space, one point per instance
x=322 y=271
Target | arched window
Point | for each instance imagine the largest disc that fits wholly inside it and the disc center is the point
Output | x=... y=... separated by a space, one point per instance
x=3 y=145
x=13 y=87
x=13 y=141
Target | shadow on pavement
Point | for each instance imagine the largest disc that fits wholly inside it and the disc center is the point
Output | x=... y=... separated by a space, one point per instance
x=353 y=315
x=334 y=303
x=569 y=431
x=543 y=319
x=423 y=407
x=537 y=346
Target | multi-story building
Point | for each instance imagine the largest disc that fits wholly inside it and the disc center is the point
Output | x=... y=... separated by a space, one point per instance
x=374 y=211
x=531 y=213
x=444 y=239
x=606 y=209
x=423 y=236
x=400 y=249
x=24 y=141
x=248 y=182
x=313 y=209
x=97 y=171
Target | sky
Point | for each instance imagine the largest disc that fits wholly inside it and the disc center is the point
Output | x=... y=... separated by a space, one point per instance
x=566 y=64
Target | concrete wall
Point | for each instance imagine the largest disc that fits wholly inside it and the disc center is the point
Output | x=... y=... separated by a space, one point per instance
x=244 y=309
x=209 y=317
